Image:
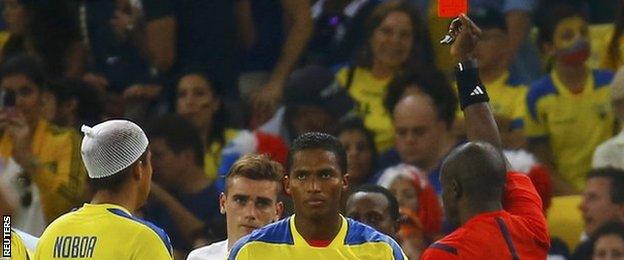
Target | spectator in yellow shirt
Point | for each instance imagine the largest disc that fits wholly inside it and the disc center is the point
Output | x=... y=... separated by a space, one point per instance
x=48 y=155
x=396 y=43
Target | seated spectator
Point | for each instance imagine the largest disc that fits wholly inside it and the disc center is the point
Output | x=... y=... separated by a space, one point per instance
x=572 y=96
x=312 y=102
x=45 y=29
x=199 y=102
x=507 y=94
x=395 y=43
x=423 y=110
x=375 y=206
x=419 y=205
x=184 y=198
x=75 y=103
x=608 y=242
x=35 y=150
x=339 y=28
x=611 y=152
x=250 y=201
x=603 y=201
x=361 y=152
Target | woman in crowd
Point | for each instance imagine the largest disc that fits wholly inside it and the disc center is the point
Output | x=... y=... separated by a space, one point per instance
x=198 y=102
x=396 y=42
x=361 y=151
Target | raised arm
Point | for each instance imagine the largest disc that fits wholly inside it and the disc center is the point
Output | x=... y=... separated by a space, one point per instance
x=473 y=98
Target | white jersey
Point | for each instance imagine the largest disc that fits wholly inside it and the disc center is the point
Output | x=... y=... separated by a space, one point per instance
x=213 y=251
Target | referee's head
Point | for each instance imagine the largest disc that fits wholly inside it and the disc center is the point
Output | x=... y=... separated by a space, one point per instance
x=473 y=177
x=117 y=159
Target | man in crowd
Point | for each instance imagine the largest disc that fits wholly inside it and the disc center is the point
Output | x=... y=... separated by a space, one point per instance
x=603 y=201
x=250 y=201
x=375 y=206
x=119 y=165
x=183 y=197
x=316 y=180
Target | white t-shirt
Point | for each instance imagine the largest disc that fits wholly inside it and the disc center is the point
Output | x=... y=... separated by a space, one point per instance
x=216 y=250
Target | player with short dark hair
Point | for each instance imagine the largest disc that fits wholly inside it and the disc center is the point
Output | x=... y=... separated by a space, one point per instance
x=316 y=180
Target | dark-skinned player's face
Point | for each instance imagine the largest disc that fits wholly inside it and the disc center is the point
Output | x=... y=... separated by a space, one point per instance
x=316 y=183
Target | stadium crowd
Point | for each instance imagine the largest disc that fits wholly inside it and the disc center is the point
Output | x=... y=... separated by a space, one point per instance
x=241 y=108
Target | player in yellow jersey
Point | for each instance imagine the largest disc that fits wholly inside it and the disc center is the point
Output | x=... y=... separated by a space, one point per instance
x=120 y=172
x=317 y=178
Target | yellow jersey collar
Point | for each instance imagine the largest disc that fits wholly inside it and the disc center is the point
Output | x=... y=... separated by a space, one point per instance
x=588 y=87
x=337 y=241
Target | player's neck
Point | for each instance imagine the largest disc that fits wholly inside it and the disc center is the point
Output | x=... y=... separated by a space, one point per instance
x=124 y=199
x=477 y=209
x=318 y=228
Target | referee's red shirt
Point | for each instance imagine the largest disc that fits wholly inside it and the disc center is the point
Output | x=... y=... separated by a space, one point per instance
x=517 y=232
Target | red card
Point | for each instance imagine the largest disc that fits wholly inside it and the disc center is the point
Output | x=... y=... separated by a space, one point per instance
x=452 y=8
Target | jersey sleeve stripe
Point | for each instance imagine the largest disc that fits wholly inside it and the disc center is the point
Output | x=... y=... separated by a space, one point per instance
x=444 y=247
x=161 y=233
x=507 y=236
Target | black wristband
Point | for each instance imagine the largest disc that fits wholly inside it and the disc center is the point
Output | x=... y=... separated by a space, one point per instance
x=470 y=89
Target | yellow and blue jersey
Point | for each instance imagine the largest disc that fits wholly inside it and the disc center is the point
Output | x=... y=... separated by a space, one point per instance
x=281 y=240
x=573 y=124
x=103 y=231
x=18 y=248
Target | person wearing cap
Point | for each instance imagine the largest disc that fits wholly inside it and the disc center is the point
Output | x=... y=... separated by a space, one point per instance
x=39 y=160
x=313 y=101
x=119 y=167
x=611 y=152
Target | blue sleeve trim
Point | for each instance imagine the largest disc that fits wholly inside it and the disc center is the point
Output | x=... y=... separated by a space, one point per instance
x=161 y=233
x=539 y=89
x=602 y=78
x=359 y=233
x=517 y=123
x=444 y=247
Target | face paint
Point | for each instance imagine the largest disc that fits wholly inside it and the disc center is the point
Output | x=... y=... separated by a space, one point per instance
x=570 y=41
x=576 y=55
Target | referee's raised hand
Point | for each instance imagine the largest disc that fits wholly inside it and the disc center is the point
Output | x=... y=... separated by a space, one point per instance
x=466 y=34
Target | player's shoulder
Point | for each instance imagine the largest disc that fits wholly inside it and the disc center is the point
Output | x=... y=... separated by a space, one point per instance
x=542 y=87
x=602 y=78
x=359 y=233
x=142 y=227
x=275 y=233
